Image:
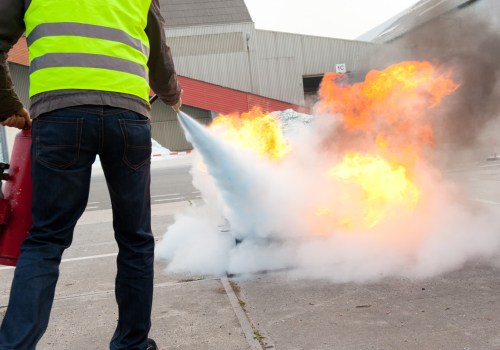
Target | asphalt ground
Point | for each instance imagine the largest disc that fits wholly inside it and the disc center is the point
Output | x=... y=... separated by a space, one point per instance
x=458 y=310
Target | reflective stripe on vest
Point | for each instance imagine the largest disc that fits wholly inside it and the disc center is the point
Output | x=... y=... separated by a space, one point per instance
x=90 y=45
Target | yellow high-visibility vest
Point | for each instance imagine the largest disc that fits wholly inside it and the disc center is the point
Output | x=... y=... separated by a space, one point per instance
x=89 y=45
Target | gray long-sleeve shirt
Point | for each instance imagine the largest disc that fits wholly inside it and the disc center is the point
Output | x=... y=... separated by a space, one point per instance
x=162 y=76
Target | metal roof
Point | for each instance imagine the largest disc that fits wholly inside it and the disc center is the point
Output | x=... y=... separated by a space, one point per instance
x=419 y=14
x=184 y=13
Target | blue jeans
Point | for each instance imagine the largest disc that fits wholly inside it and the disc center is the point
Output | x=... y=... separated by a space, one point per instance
x=65 y=143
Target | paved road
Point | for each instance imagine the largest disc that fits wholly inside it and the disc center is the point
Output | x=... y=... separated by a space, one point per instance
x=170 y=182
x=481 y=182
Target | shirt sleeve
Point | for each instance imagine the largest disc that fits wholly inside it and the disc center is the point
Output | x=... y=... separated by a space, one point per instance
x=11 y=29
x=162 y=75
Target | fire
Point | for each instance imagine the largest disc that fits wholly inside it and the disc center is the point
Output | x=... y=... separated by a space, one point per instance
x=380 y=187
x=253 y=130
x=390 y=109
x=386 y=127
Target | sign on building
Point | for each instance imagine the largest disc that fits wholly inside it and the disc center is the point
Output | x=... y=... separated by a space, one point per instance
x=340 y=68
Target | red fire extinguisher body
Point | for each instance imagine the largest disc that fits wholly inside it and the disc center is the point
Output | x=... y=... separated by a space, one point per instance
x=17 y=191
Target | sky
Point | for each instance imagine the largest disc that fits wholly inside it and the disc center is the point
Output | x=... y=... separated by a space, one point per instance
x=343 y=19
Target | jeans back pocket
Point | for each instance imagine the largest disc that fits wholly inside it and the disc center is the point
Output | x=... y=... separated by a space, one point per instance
x=137 y=139
x=57 y=141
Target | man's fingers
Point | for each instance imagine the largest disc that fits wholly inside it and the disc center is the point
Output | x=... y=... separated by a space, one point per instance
x=10 y=121
x=15 y=121
x=25 y=115
x=177 y=106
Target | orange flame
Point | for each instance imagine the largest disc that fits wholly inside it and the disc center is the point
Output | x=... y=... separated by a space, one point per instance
x=390 y=108
x=253 y=130
x=389 y=114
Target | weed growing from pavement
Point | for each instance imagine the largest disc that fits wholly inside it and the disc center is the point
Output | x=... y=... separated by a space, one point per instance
x=256 y=333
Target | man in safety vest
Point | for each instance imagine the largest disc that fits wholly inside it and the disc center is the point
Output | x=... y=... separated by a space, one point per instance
x=92 y=63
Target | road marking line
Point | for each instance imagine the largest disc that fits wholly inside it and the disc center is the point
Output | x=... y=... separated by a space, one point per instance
x=89 y=257
x=73 y=259
x=169 y=199
x=166 y=195
x=485 y=201
x=92 y=208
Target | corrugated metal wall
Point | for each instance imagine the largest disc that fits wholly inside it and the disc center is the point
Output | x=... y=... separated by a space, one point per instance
x=285 y=58
x=209 y=44
x=264 y=63
x=166 y=129
x=21 y=82
x=217 y=54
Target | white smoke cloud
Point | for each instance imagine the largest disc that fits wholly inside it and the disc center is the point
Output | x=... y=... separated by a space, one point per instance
x=265 y=205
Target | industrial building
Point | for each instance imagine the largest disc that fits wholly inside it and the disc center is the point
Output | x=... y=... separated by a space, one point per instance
x=227 y=65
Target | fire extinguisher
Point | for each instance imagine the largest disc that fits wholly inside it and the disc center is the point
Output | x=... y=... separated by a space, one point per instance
x=15 y=199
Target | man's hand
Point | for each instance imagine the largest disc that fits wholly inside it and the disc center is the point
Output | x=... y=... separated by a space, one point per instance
x=20 y=120
x=177 y=106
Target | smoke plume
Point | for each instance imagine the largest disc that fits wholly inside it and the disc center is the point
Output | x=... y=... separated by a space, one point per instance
x=468 y=41
x=260 y=214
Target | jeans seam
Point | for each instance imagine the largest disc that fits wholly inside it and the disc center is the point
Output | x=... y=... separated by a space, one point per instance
x=101 y=136
x=100 y=111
